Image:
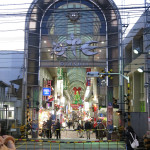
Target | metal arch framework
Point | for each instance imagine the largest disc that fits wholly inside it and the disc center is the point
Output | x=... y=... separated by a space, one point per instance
x=33 y=36
x=41 y=6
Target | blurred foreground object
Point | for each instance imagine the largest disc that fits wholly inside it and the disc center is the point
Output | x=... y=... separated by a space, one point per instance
x=7 y=143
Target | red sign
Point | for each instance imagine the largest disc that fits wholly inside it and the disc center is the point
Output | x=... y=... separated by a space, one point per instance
x=75 y=106
x=75 y=90
x=50 y=98
x=88 y=82
x=95 y=114
x=88 y=69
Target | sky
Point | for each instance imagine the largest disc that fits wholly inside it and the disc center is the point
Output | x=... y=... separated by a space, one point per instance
x=12 y=20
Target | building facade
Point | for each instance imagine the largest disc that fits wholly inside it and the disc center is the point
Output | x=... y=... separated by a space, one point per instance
x=64 y=41
x=11 y=63
x=136 y=54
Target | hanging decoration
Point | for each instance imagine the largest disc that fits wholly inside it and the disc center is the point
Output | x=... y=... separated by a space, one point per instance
x=65 y=81
x=50 y=98
x=76 y=89
x=95 y=109
x=88 y=80
x=77 y=101
x=57 y=107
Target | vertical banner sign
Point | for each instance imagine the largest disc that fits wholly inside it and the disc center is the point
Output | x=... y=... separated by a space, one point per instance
x=110 y=108
x=65 y=81
x=44 y=85
x=34 y=114
x=110 y=116
x=59 y=73
x=88 y=69
x=88 y=80
x=35 y=96
x=95 y=114
x=49 y=83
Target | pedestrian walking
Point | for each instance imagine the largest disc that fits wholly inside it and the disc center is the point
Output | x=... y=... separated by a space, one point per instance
x=80 y=130
x=129 y=132
x=49 y=125
x=44 y=129
x=69 y=124
x=34 y=129
x=58 y=129
x=88 y=128
x=100 y=130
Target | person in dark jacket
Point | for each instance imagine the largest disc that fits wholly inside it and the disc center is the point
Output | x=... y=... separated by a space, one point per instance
x=69 y=124
x=87 y=128
x=80 y=130
x=100 y=130
x=49 y=125
x=129 y=139
x=58 y=129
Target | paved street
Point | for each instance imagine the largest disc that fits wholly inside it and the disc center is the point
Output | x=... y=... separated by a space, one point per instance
x=69 y=141
x=68 y=145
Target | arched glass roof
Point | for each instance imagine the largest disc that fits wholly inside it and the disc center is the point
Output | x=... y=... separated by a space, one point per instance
x=73 y=24
x=49 y=23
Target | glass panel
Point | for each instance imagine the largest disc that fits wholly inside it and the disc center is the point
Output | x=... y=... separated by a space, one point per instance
x=73 y=32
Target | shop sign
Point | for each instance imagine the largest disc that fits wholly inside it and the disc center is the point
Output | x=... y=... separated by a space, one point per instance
x=35 y=95
x=95 y=108
x=75 y=106
x=46 y=91
x=77 y=64
x=88 y=69
x=50 y=98
x=60 y=73
x=86 y=48
x=65 y=81
x=110 y=116
x=88 y=82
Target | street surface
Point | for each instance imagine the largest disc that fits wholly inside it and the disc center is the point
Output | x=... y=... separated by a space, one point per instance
x=70 y=145
x=69 y=141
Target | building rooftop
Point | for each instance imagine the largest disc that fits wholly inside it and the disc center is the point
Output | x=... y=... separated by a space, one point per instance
x=3 y=84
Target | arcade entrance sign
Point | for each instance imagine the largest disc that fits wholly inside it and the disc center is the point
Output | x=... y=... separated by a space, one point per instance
x=59 y=49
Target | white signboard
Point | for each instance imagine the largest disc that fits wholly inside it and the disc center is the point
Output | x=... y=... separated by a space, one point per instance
x=93 y=74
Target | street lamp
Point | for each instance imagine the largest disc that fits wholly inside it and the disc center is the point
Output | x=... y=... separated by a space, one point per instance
x=141 y=69
x=138 y=51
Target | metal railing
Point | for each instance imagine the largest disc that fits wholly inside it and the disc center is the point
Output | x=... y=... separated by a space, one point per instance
x=67 y=144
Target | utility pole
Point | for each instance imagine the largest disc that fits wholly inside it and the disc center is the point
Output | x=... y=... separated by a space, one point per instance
x=6 y=107
x=129 y=105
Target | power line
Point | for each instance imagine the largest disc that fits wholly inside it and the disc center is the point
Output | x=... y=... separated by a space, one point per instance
x=12 y=4
x=107 y=46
